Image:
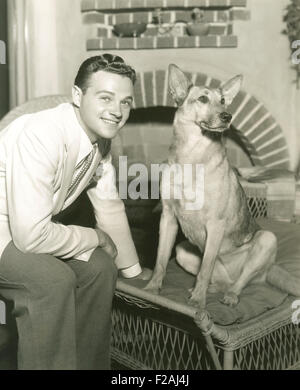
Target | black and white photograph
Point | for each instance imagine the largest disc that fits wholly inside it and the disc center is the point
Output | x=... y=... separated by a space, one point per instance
x=150 y=187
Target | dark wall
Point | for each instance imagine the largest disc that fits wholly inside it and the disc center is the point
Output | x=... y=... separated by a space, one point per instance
x=4 y=97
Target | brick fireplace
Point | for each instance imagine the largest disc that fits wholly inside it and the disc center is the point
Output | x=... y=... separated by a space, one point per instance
x=258 y=130
x=265 y=112
x=254 y=126
x=100 y=16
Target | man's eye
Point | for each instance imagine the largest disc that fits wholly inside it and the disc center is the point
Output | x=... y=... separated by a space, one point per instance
x=223 y=101
x=126 y=103
x=106 y=99
x=203 y=99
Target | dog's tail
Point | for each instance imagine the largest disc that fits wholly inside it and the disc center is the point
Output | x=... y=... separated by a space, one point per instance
x=283 y=280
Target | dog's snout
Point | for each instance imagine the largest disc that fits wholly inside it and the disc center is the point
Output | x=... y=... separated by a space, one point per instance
x=225 y=117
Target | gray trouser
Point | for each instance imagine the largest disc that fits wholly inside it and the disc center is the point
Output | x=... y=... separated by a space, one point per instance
x=62 y=309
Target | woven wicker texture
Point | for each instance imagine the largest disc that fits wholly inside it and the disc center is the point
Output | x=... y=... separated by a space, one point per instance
x=139 y=342
x=277 y=350
x=159 y=339
x=34 y=105
x=241 y=339
x=256 y=198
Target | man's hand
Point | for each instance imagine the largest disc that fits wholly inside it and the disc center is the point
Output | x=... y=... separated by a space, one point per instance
x=106 y=243
x=145 y=274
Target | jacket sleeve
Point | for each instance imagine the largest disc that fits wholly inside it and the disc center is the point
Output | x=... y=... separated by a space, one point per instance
x=111 y=217
x=32 y=164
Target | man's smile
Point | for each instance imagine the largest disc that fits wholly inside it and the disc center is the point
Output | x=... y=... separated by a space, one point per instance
x=110 y=121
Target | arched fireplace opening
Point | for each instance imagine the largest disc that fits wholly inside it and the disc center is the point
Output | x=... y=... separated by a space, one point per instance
x=260 y=134
x=148 y=134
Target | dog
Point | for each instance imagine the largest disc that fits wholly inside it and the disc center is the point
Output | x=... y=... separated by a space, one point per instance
x=226 y=248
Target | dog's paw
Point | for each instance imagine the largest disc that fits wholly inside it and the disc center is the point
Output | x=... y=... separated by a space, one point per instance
x=230 y=299
x=152 y=287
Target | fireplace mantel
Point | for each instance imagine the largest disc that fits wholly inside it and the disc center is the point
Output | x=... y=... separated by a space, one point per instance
x=99 y=17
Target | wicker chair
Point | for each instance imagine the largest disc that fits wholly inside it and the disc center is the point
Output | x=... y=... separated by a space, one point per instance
x=155 y=332
x=34 y=105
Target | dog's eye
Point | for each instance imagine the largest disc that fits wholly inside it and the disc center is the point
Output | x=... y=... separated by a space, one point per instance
x=203 y=99
x=223 y=101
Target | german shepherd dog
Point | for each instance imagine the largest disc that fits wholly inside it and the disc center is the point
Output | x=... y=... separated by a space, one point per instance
x=226 y=248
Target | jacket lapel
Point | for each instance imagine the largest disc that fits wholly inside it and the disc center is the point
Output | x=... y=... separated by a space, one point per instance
x=84 y=182
x=70 y=158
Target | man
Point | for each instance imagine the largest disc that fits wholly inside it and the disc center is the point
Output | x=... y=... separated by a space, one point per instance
x=62 y=278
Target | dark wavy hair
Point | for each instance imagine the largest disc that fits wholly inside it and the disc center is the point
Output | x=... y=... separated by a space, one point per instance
x=106 y=62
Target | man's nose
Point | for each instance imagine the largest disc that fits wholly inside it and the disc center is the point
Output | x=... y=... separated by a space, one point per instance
x=116 y=111
x=225 y=117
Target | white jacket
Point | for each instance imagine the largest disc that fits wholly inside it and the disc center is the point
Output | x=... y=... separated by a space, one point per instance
x=38 y=156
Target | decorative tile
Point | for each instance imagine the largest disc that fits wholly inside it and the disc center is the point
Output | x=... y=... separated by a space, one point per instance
x=93 y=44
x=145 y=43
x=93 y=17
x=109 y=43
x=149 y=42
x=88 y=5
x=165 y=42
x=186 y=42
x=240 y=14
x=228 y=41
x=126 y=43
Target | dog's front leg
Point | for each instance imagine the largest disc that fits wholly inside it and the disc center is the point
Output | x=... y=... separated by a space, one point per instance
x=214 y=236
x=168 y=229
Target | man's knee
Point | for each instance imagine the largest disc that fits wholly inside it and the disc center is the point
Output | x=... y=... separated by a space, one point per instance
x=59 y=280
x=40 y=274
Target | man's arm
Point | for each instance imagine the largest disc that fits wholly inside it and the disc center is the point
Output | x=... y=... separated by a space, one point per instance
x=111 y=218
x=32 y=164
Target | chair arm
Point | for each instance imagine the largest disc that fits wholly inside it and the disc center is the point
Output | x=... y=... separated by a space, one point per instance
x=280 y=188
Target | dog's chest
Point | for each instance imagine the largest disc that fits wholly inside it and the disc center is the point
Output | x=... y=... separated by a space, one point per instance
x=192 y=227
x=187 y=203
x=193 y=192
x=194 y=187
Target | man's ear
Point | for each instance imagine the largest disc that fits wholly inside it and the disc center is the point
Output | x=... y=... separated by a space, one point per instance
x=179 y=84
x=76 y=95
x=231 y=88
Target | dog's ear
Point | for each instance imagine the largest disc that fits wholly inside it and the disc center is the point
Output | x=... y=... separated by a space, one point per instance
x=179 y=84
x=231 y=88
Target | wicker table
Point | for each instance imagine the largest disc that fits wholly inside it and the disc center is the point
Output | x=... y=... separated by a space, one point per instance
x=153 y=332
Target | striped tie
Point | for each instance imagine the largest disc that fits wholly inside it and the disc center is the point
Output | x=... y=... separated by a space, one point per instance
x=85 y=166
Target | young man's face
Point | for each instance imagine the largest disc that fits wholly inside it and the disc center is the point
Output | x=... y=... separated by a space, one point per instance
x=106 y=104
